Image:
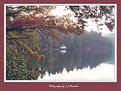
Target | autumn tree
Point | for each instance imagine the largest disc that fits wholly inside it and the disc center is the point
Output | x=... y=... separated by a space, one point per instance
x=25 y=27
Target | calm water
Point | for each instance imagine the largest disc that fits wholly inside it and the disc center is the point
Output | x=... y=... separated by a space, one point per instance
x=89 y=58
x=77 y=65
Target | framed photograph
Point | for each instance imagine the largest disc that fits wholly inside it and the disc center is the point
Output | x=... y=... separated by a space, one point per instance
x=54 y=46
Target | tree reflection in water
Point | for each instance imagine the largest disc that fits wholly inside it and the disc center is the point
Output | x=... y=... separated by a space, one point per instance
x=80 y=53
x=55 y=62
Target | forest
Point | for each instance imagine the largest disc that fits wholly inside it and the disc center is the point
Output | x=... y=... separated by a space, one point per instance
x=34 y=35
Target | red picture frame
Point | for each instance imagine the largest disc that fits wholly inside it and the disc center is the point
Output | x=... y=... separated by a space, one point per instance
x=56 y=86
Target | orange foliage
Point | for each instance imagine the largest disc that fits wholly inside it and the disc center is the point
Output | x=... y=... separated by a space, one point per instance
x=33 y=53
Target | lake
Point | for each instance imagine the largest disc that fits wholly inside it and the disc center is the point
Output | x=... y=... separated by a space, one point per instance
x=77 y=65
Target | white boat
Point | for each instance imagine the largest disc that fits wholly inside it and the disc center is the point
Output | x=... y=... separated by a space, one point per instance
x=63 y=47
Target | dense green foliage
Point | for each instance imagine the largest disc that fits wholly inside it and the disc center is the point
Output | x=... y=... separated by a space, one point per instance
x=17 y=69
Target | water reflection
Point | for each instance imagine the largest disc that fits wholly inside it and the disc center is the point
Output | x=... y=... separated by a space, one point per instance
x=63 y=51
x=90 y=57
x=79 y=65
x=104 y=72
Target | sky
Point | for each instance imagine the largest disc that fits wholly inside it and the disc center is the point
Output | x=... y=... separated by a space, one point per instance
x=59 y=11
